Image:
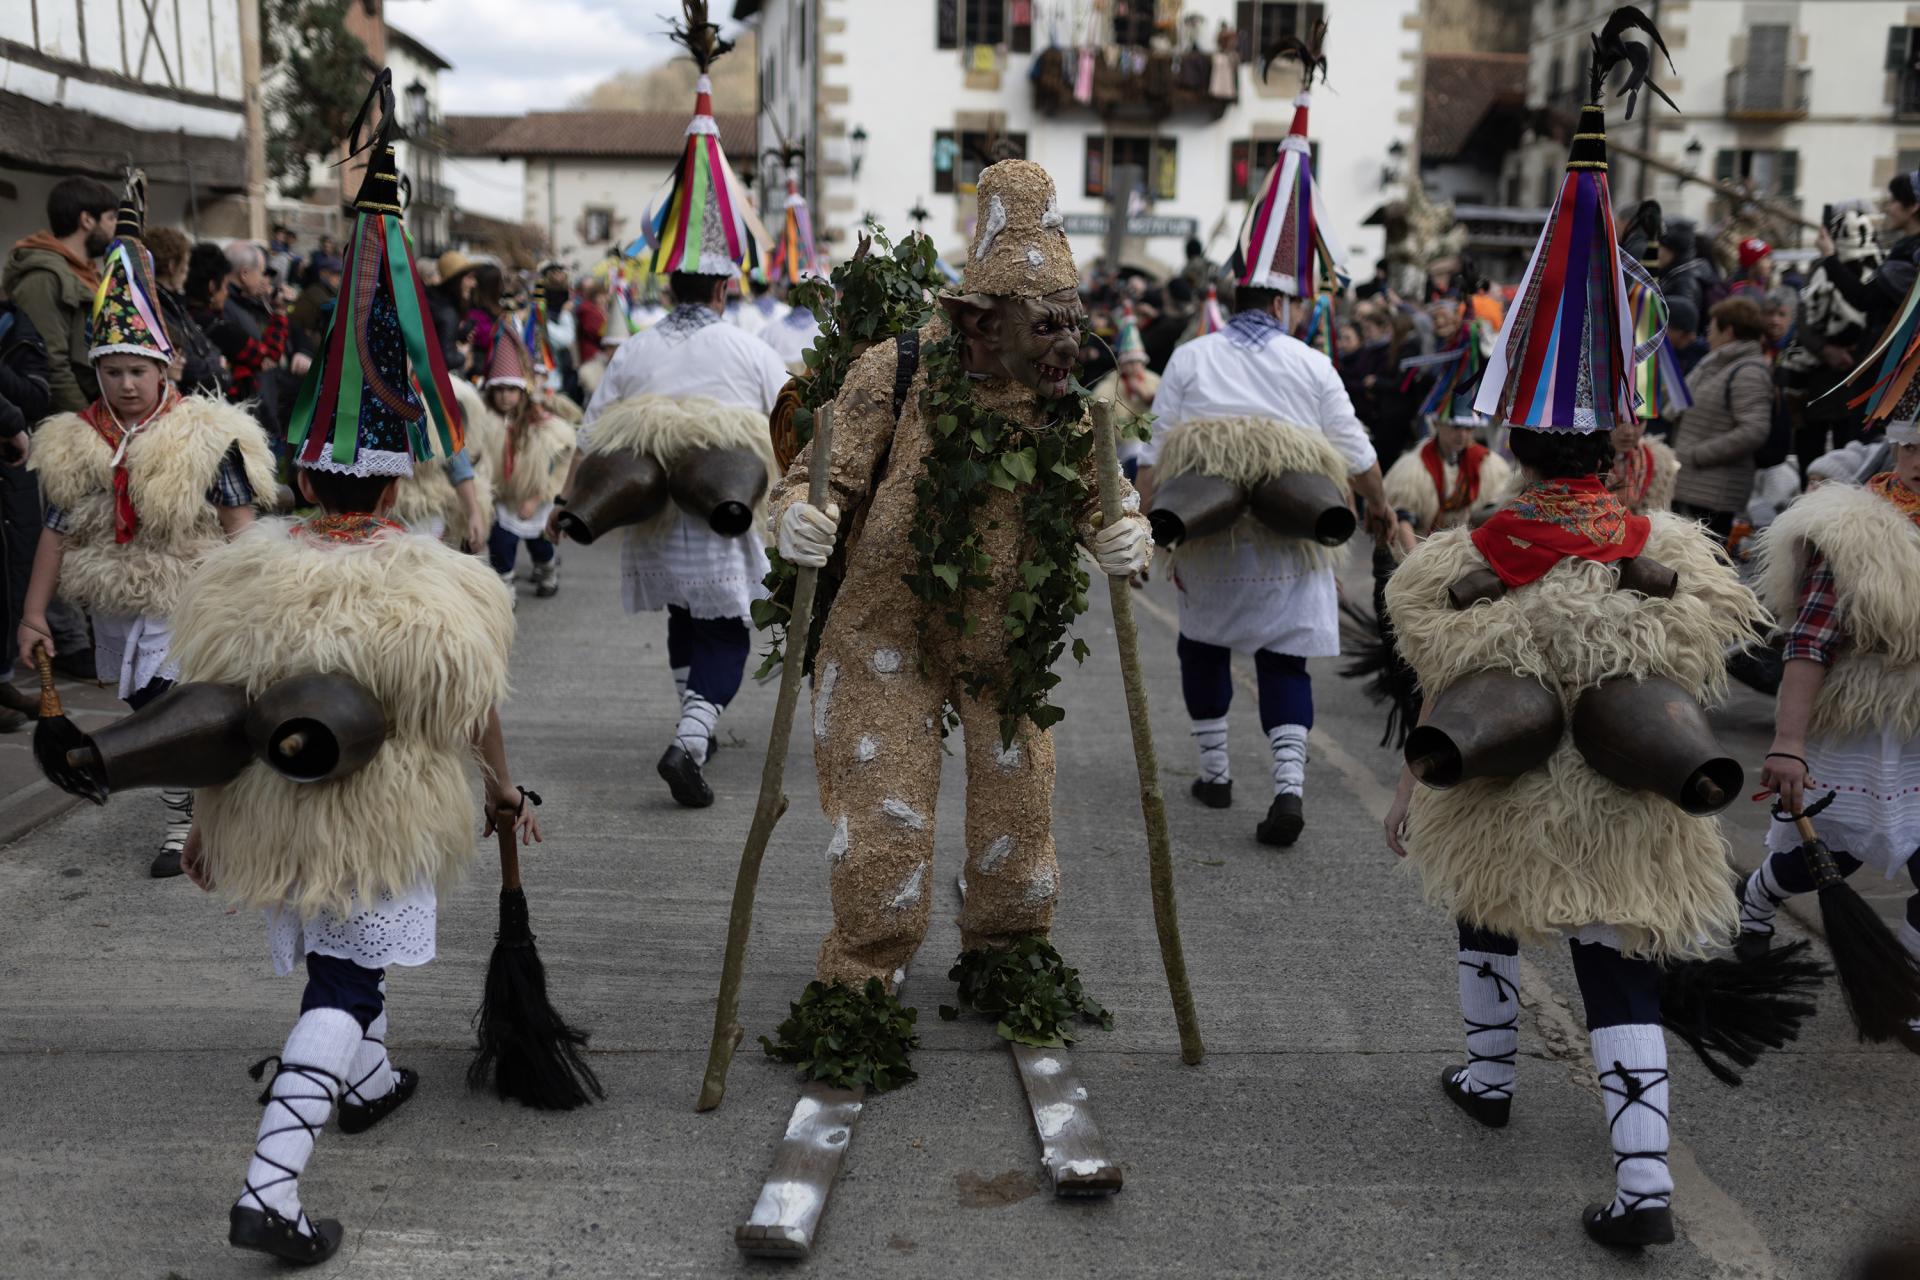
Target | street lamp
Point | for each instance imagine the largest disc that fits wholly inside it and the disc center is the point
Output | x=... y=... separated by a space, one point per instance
x=919 y=214
x=857 y=148
x=1694 y=152
x=417 y=107
x=1390 y=172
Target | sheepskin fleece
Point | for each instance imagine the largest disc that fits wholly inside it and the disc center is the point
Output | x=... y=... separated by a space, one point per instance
x=1560 y=847
x=428 y=494
x=670 y=427
x=427 y=630
x=1874 y=552
x=1666 y=471
x=1410 y=489
x=542 y=449
x=170 y=467
x=1246 y=451
x=565 y=408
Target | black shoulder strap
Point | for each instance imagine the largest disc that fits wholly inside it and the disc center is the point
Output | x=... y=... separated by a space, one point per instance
x=906 y=346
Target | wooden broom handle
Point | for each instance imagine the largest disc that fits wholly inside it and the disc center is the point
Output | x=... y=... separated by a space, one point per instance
x=503 y=817
x=1804 y=825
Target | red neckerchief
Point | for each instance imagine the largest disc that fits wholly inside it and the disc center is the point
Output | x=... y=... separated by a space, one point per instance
x=341 y=529
x=1633 y=475
x=126 y=521
x=1555 y=519
x=1466 y=485
x=1887 y=487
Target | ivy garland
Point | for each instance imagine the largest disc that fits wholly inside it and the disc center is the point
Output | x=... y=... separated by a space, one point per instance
x=972 y=446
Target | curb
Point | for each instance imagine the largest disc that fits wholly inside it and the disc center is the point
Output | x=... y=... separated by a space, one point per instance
x=32 y=807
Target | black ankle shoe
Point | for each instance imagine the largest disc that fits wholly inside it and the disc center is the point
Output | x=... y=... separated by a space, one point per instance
x=684 y=778
x=1491 y=1112
x=1214 y=795
x=1283 y=824
x=1749 y=947
x=1628 y=1230
x=165 y=864
x=264 y=1231
x=362 y=1117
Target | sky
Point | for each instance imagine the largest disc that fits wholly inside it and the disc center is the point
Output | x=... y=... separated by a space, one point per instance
x=511 y=56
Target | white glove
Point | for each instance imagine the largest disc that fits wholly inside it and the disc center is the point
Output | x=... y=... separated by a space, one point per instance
x=1123 y=549
x=807 y=534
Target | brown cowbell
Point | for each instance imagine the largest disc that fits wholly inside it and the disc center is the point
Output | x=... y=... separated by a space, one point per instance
x=886 y=667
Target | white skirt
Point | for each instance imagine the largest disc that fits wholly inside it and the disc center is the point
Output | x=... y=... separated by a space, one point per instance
x=1875 y=814
x=130 y=651
x=1246 y=590
x=394 y=930
x=534 y=526
x=679 y=561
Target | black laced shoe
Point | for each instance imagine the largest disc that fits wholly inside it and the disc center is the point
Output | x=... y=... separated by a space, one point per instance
x=684 y=779
x=264 y=1231
x=1749 y=946
x=1283 y=824
x=1490 y=1111
x=1214 y=795
x=1628 y=1230
x=165 y=864
x=360 y=1117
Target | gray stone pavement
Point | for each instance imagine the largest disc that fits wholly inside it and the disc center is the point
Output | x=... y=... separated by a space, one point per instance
x=1312 y=1142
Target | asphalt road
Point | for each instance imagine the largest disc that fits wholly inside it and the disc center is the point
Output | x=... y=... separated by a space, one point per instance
x=1312 y=1142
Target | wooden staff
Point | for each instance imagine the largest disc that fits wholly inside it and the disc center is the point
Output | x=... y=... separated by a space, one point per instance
x=1166 y=916
x=773 y=801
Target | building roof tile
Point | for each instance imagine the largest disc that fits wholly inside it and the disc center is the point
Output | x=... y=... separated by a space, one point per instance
x=614 y=134
x=1461 y=90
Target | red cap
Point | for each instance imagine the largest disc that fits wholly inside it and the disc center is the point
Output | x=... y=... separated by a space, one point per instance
x=1752 y=249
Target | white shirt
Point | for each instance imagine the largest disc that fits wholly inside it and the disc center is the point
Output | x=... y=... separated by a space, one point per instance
x=675 y=560
x=792 y=335
x=1212 y=377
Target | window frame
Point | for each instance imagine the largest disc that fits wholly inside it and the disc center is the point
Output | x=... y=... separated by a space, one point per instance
x=1161 y=150
x=1250 y=25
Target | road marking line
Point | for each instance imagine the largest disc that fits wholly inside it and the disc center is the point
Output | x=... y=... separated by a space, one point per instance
x=1712 y=1221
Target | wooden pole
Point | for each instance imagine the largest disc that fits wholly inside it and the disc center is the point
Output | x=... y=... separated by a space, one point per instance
x=1166 y=915
x=256 y=124
x=773 y=801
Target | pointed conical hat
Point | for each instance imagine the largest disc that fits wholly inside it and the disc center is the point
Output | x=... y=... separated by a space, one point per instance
x=1020 y=245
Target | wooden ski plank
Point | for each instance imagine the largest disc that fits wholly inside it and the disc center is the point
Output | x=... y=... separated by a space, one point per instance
x=786 y=1218
x=1072 y=1150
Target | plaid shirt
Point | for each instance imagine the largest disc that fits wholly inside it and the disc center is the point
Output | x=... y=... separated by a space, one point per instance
x=1817 y=631
x=230 y=489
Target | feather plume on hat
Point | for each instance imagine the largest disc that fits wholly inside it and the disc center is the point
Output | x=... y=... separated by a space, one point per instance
x=125 y=319
x=1287 y=242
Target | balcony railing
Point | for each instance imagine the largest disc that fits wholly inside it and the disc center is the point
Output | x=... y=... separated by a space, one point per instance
x=1906 y=93
x=428 y=194
x=1778 y=93
x=1144 y=86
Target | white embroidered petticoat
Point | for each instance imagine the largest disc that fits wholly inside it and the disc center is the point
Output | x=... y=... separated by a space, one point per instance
x=393 y=930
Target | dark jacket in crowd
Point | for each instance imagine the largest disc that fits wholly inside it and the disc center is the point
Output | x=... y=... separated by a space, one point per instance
x=255 y=342
x=1880 y=296
x=24 y=396
x=24 y=401
x=449 y=326
x=1731 y=417
x=44 y=285
x=201 y=373
x=1690 y=276
x=1389 y=403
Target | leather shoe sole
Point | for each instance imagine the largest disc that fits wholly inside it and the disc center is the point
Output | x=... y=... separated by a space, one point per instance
x=12 y=698
x=684 y=779
x=1491 y=1112
x=1283 y=824
x=359 y=1119
x=1628 y=1230
x=264 y=1231
x=1214 y=795
x=165 y=864
x=1749 y=947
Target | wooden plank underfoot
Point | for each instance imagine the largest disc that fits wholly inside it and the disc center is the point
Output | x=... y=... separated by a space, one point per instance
x=786 y=1218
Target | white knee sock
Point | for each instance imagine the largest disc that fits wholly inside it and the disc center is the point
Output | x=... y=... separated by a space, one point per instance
x=318 y=1053
x=371 y=1075
x=1760 y=897
x=1210 y=738
x=1631 y=1062
x=179 y=803
x=1288 y=743
x=1490 y=1008
x=697 y=718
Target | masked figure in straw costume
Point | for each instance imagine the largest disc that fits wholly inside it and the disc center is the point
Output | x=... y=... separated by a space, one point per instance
x=140 y=487
x=1247 y=407
x=529 y=466
x=1556 y=634
x=691 y=385
x=962 y=485
x=1838 y=568
x=346 y=867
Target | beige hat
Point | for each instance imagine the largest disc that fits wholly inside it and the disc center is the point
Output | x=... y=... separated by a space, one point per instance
x=1019 y=237
x=452 y=263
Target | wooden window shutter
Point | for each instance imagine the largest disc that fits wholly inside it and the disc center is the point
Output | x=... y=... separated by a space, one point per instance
x=1723 y=165
x=1020 y=26
x=1245 y=15
x=947 y=23
x=1789 y=166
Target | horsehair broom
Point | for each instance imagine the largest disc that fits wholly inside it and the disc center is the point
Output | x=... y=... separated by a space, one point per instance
x=1166 y=915
x=529 y=1050
x=1879 y=979
x=727 y=1030
x=54 y=736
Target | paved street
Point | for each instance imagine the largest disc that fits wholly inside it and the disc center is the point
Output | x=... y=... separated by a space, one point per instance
x=1313 y=1142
